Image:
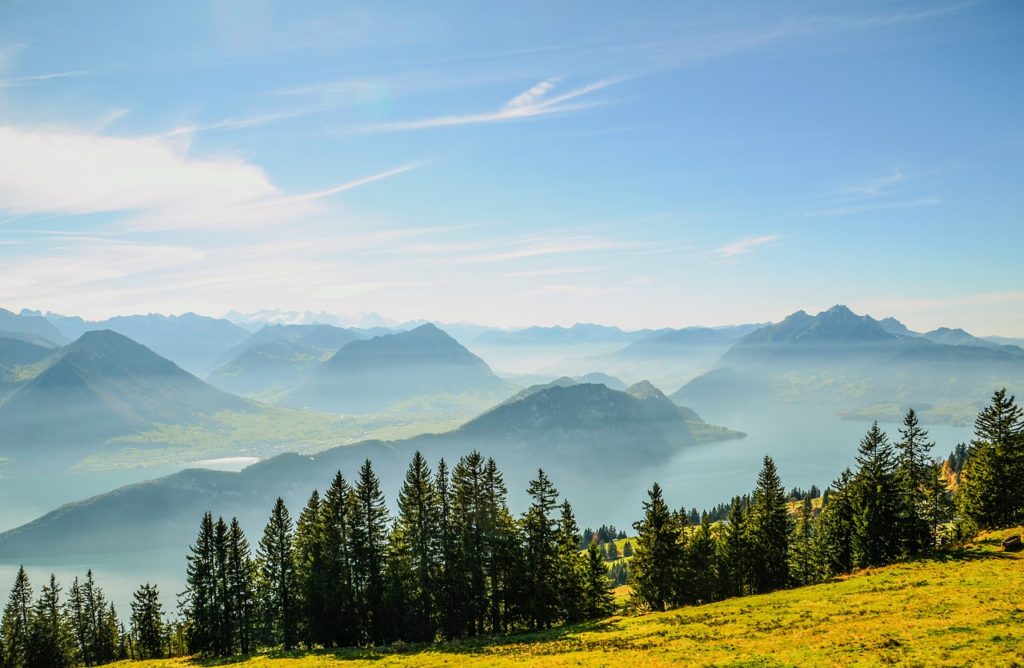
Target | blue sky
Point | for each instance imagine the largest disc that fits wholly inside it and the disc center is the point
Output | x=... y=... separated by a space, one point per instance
x=663 y=164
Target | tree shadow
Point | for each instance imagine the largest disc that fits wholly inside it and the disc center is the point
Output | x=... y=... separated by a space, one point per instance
x=469 y=646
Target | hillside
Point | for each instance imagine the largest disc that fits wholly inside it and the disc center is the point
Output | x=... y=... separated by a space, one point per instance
x=278 y=358
x=959 y=609
x=371 y=375
x=102 y=386
x=588 y=437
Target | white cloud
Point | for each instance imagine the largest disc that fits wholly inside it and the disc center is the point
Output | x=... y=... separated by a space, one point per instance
x=743 y=246
x=152 y=179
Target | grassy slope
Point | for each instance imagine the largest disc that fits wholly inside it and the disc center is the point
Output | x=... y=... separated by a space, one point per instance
x=964 y=608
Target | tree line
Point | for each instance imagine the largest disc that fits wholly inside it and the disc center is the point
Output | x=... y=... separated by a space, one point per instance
x=454 y=562
x=897 y=504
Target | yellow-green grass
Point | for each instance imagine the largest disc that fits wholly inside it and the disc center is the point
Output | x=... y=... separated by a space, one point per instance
x=959 y=609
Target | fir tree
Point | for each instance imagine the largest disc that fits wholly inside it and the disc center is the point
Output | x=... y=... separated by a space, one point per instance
x=659 y=555
x=311 y=577
x=16 y=624
x=147 y=623
x=337 y=535
x=50 y=642
x=199 y=605
x=369 y=537
x=802 y=557
x=834 y=537
x=278 y=595
x=598 y=601
x=417 y=523
x=240 y=576
x=769 y=525
x=541 y=540
x=991 y=489
x=914 y=474
x=613 y=551
x=571 y=576
x=627 y=549
x=734 y=552
x=447 y=586
x=876 y=502
x=701 y=563
x=500 y=536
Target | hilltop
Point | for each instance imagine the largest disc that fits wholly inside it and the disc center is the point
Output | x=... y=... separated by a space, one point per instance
x=960 y=608
x=371 y=375
x=102 y=386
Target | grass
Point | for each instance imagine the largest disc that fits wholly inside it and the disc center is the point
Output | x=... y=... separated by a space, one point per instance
x=961 y=608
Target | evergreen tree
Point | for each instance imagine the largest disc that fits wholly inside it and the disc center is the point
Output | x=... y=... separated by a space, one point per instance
x=469 y=523
x=613 y=551
x=417 y=551
x=991 y=489
x=241 y=572
x=223 y=638
x=337 y=534
x=598 y=601
x=569 y=568
x=734 y=552
x=277 y=591
x=769 y=525
x=447 y=586
x=914 y=475
x=199 y=605
x=369 y=535
x=802 y=555
x=701 y=563
x=834 y=537
x=876 y=502
x=659 y=554
x=147 y=623
x=311 y=576
x=16 y=625
x=541 y=553
x=503 y=567
x=627 y=549
x=50 y=643
x=79 y=623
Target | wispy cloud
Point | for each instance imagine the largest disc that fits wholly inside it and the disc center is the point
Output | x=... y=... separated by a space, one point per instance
x=531 y=103
x=38 y=78
x=150 y=179
x=745 y=246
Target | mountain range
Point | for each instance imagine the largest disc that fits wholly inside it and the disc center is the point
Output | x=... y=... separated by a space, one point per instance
x=837 y=357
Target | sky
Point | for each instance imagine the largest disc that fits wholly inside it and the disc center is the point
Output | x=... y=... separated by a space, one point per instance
x=659 y=164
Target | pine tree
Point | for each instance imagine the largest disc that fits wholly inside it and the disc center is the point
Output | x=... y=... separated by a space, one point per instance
x=223 y=639
x=701 y=563
x=417 y=550
x=598 y=601
x=627 y=549
x=369 y=538
x=769 y=524
x=541 y=553
x=337 y=532
x=147 y=623
x=503 y=567
x=569 y=568
x=241 y=572
x=311 y=574
x=469 y=523
x=659 y=555
x=79 y=623
x=991 y=489
x=833 y=545
x=802 y=558
x=199 y=605
x=876 y=502
x=914 y=473
x=277 y=591
x=50 y=643
x=17 y=622
x=447 y=586
x=613 y=551
x=734 y=552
